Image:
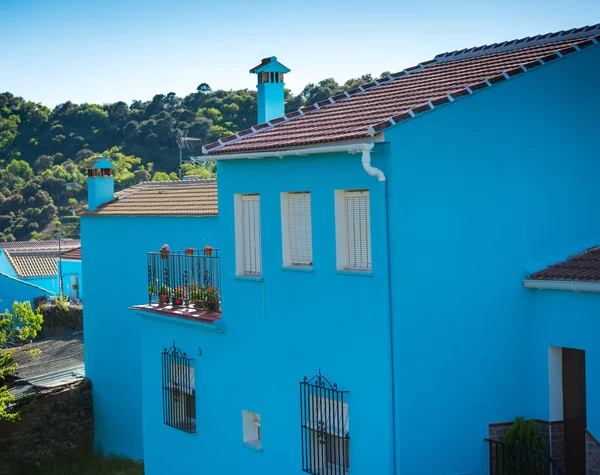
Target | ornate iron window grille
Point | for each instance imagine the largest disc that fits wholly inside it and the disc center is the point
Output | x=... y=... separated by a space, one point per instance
x=324 y=427
x=179 y=390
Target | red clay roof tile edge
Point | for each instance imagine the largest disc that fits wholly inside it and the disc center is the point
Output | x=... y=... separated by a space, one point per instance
x=214 y=147
x=467 y=91
x=573 y=33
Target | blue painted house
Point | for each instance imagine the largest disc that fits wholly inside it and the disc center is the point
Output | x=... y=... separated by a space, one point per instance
x=374 y=299
x=37 y=264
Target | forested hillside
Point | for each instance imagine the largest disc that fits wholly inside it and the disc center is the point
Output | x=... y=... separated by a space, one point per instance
x=43 y=151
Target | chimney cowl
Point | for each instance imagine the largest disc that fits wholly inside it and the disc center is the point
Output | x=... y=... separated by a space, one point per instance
x=100 y=182
x=270 y=78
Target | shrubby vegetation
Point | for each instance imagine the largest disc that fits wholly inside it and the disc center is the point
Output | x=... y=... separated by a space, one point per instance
x=43 y=151
x=21 y=324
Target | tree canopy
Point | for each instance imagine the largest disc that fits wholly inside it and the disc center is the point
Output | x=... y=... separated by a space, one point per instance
x=21 y=324
x=43 y=151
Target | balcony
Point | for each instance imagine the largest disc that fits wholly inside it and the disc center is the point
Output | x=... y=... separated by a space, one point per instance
x=185 y=284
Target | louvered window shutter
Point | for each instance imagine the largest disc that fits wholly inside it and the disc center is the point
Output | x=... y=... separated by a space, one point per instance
x=358 y=230
x=251 y=234
x=330 y=415
x=300 y=228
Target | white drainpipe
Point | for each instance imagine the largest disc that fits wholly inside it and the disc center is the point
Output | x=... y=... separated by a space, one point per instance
x=376 y=172
x=365 y=149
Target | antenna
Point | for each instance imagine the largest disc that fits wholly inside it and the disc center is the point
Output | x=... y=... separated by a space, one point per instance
x=182 y=142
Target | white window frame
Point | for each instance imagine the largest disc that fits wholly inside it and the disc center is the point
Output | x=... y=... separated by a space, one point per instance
x=251 y=428
x=243 y=268
x=343 y=241
x=296 y=237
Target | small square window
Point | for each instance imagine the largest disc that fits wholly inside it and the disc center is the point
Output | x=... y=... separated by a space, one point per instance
x=251 y=427
x=296 y=229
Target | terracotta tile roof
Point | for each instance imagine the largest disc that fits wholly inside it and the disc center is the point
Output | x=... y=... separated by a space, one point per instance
x=583 y=267
x=263 y=62
x=367 y=110
x=33 y=263
x=41 y=245
x=169 y=198
x=72 y=254
x=36 y=259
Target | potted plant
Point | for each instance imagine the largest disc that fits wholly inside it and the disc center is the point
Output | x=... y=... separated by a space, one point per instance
x=152 y=288
x=164 y=293
x=164 y=251
x=179 y=296
x=198 y=296
x=189 y=251
x=213 y=299
x=208 y=251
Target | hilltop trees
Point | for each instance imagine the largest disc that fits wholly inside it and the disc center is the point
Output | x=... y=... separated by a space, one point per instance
x=43 y=151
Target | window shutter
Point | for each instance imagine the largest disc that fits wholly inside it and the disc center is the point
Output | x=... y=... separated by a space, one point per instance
x=330 y=415
x=300 y=229
x=358 y=230
x=251 y=234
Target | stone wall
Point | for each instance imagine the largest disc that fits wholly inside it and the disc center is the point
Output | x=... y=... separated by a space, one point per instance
x=592 y=451
x=55 y=421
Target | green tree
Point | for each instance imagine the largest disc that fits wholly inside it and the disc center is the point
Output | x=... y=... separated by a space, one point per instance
x=21 y=169
x=20 y=324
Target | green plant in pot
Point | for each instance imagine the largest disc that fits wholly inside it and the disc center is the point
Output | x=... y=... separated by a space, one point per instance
x=179 y=295
x=164 y=294
x=213 y=299
x=198 y=296
x=153 y=288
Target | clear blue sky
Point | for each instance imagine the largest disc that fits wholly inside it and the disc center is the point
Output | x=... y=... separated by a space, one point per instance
x=110 y=50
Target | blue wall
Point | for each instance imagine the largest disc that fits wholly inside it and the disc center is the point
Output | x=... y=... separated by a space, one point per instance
x=279 y=329
x=71 y=268
x=482 y=192
x=116 y=274
x=15 y=290
x=5 y=266
x=568 y=320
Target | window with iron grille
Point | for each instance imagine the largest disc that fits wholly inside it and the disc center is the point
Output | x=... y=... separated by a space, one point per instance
x=296 y=227
x=179 y=390
x=248 y=245
x=325 y=432
x=353 y=230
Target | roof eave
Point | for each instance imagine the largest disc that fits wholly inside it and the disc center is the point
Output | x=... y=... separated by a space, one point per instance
x=322 y=148
x=571 y=285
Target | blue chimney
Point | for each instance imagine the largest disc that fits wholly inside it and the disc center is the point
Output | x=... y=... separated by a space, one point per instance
x=100 y=182
x=270 y=88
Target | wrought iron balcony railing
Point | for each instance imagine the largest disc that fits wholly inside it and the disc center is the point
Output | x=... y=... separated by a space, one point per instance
x=190 y=278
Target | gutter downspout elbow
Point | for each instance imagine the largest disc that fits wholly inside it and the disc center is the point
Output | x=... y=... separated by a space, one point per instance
x=366 y=162
x=376 y=172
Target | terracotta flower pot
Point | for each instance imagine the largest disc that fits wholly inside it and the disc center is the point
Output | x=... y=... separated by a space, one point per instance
x=164 y=253
x=189 y=251
x=208 y=251
x=163 y=299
